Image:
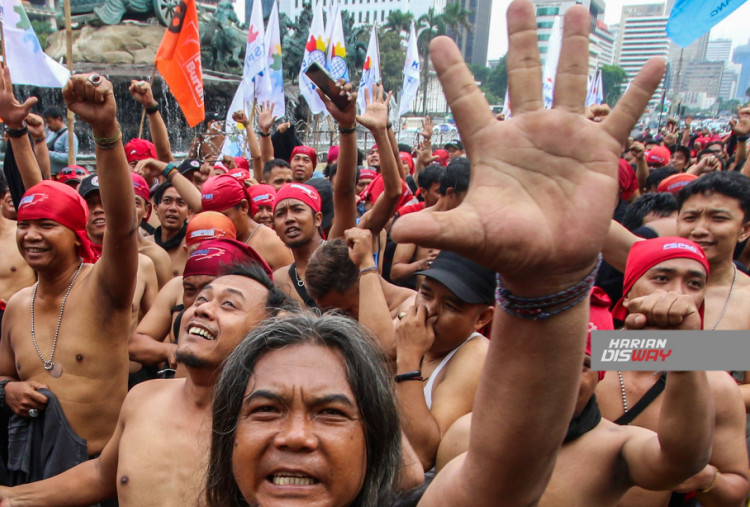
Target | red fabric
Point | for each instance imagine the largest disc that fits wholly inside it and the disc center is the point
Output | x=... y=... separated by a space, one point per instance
x=139 y=149
x=599 y=317
x=305 y=150
x=221 y=167
x=407 y=158
x=376 y=187
x=69 y=173
x=214 y=255
x=658 y=156
x=673 y=184
x=242 y=163
x=222 y=192
x=305 y=193
x=140 y=186
x=626 y=179
x=411 y=208
x=261 y=195
x=646 y=254
x=368 y=173
x=52 y=200
x=239 y=174
x=209 y=225
x=442 y=157
x=333 y=154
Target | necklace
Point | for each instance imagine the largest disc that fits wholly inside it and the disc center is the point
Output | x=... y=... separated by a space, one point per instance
x=247 y=241
x=622 y=390
x=729 y=297
x=297 y=279
x=54 y=369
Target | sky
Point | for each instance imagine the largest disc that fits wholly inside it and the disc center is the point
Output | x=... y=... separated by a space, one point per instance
x=733 y=27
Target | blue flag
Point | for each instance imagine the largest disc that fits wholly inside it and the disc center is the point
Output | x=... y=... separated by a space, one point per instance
x=692 y=18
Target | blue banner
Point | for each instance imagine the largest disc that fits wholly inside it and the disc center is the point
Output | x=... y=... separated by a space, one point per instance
x=692 y=18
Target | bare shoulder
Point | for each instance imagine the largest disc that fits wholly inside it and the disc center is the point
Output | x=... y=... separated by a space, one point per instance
x=145 y=263
x=20 y=298
x=281 y=275
x=726 y=393
x=470 y=356
x=145 y=395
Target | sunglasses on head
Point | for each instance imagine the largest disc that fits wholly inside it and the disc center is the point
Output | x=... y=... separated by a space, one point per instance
x=68 y=171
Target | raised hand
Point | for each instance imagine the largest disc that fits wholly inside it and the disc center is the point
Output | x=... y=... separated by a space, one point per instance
x=240 y=117
x=543 y=184
x=376 y=109
x=426 y=128
x=347 y=117
x=90 y=96
x=142 y=93
x=741 y=126
x=265 y=116
x=663 y=310
x=12 y=112
x=638 y=150
x=35 y=124
x=360 y=247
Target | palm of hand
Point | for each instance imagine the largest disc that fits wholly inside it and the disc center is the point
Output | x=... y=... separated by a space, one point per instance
x=742 y=127
x=12 y=111
x=265 y=120
x=376 y=115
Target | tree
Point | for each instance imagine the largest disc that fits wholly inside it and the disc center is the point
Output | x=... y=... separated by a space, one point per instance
x=356 y=45
x=747 y=92
x=457 y=22
x=391 y=60
x=480 y=72
x=293 y=41
x=399 y=22
x=497 y=81
x=613 y=77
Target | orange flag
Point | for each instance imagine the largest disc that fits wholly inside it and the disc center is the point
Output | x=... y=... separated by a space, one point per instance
x=179 y=61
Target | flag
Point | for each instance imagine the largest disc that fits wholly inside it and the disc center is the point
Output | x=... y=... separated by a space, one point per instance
x=255 y=53
x=336 y=54
x=507 y=113
x=599 y=88
x=411 y=73
x=591 y=93
x=550 y=66
x=272 y=82
x=690 y=19
x=371 y=69
x=179 y=61
x=27 y=62
x=315 y=51
x=235 y=136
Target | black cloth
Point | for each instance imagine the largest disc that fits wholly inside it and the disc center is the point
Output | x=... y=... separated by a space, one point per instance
x=173 y=243
x=13 y=176
x=284 y=143
x=585 y=422
x=646 y=400
x=301 y=290
x=44 y=446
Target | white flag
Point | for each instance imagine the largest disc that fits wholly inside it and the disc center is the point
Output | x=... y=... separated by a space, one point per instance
x=28 y=64
x=371 y=69
x=255 y=54
x=599 y=89
x=507 y=113
x=315 y=51
x=234 y=142
x=272 y=82
x=550 y=66
x=336 y=54
x=411 y=73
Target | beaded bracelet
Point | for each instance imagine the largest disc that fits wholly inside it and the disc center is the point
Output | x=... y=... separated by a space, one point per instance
x=16 y=133
x=169 y=171
x=349 y=130
x=544 y=307
x=107 y=143
x=371 y=269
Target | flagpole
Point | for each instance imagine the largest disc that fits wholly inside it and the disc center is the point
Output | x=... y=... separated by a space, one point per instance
x=2 y=37
x=143 y=113
x=332 y=130
x=69 y=58
x=249 y=126
x=315 y=135
x=307 y=126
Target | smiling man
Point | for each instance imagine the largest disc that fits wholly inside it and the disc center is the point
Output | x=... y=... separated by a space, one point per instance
x=164 y=419
x=173 y=214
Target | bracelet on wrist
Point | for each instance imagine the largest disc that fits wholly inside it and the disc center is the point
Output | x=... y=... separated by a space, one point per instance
x=389 y=125
x=544 y=307
x=39 y=139
x=411 y=375
x=169 y=171
x=16 y=133
x=350 y=130
x=371 y=269
x=713 y=482
x=743 y=138
x=153 y=109
x=107 y=143
x=264 y=134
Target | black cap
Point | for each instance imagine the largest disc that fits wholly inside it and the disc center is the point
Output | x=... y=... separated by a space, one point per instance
x=213 y=117
x=323 y=186
x=88 y=184
x=188 y=166
x=456 y=143
x=469 y=281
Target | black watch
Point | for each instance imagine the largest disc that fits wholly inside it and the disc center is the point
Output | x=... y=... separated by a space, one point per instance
x=2 y=392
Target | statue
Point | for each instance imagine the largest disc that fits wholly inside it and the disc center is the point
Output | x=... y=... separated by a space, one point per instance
x=223 y=43
x=111 y=12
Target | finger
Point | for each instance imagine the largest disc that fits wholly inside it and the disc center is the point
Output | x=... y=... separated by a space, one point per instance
x=7 y=84
x=524 y=66
x=635 y=321
x=29 y=103
x=38 y=398
x=572 y=72
x=388 y=99
x=628 y=109
x=367 y=97
x=437 y=229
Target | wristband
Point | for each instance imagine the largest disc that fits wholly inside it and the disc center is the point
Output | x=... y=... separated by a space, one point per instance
x=264 y=134
x=169 y=171
x=16 y=133
x=713 y=482
x=153 y=109
x=39 y=139
x=743 y=138
x=371 y=269
x=412 y=375
x=107 y=143
x=544 y=307
x=2 y=392
x=389 y=125
x=349 y=130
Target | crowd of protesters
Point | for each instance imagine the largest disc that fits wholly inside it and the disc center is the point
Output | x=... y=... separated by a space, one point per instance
x=407 y=325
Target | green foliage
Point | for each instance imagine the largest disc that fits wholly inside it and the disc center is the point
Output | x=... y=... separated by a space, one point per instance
x=492 y=82
x=356 y=44
x=293 y=39
x=613 y=77
x=729 y=105
x=456 y=20
x=391 y=60
x=43 y=29
x=399 y=22
x=747 y=92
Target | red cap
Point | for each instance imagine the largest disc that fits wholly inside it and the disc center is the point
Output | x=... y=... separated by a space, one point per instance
x=333 y=155
x=74 y=173
x=646 y=254
x=139 y=149
x=658 y=156
x=626 y=179
x=673 y=184
x=304 y=193
x=305 y=150
x=242 y=163
x=376 y=187
x=239 y=174
x=219 y=166
x=599 y=317
x=140 y=186
x=52 y=200
x=368 y=173
x=221 y=192
x=213 y=255
x=261 y=195
x=407 y=158
x=442 y=157
x=209 y=225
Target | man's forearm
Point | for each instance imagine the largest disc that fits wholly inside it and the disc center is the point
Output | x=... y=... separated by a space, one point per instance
x=417 y=422
x=730 y=489
x=160 y=136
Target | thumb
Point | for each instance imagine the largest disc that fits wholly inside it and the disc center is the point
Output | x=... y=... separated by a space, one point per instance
x=29 y=103
x=428 y=228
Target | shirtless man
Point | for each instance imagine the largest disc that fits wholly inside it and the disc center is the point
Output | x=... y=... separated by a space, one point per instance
x=86 y=366
x=159 y=256
x=173 y=213
x=164 y=420
x=652 y=269
x=15 y=274
x=277 y=173
x=600 y=461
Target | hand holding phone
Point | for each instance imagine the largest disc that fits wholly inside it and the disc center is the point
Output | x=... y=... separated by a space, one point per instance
x=327 y=85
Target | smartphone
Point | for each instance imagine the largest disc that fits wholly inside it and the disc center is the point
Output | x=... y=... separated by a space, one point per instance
x=327 y=85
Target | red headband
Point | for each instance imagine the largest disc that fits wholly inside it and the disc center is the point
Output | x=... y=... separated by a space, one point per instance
x=239 y=174
x=406 y=157
x=261 y=195
x=242 y=163
x=599 y=317
x=673 y=184
x=305 y=150
x=376 y=187
x=304 y=193
x=214 y=255
x=222 y=192
x=646 y=254
x=52 y=200
x=140 y=187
